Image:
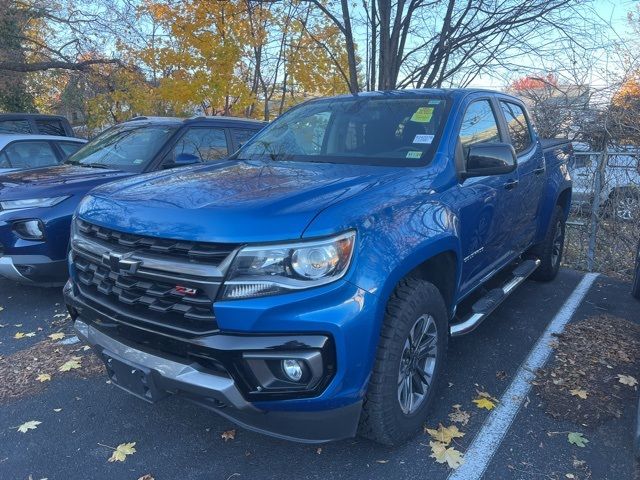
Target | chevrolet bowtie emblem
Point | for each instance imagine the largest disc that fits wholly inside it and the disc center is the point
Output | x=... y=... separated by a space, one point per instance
x=120 y=263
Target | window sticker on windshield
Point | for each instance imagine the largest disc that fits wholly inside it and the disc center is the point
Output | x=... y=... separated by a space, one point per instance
x=434 y=102
x=422 y=115
x=423 y=139
x=138 y=161
x=414 y=154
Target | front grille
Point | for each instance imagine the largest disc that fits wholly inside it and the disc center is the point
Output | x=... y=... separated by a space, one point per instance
x=165 y=292
x=201 y=252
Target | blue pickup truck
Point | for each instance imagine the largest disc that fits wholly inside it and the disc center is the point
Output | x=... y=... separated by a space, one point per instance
x=36 y=204
x=307 y=287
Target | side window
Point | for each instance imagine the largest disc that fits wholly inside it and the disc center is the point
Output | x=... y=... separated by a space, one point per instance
x=51 y=127
x=205 y=143
x=518 y=125
x=30 y=154
x=4 y=161
x=14 y=126
x=69 y=148
x=242 y=135
x=479 y=125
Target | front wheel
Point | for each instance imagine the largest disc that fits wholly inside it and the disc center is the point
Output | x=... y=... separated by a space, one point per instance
x=409 y=360
x=549 y=252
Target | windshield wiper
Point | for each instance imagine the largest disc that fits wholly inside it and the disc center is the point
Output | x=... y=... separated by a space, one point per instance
x=98 y=165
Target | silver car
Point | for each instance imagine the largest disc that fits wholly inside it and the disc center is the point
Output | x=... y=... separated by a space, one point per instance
x=22 y=151
x=620 y=182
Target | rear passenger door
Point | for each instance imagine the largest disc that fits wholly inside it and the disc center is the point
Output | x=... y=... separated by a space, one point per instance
x=486 y=205
x=531 y=172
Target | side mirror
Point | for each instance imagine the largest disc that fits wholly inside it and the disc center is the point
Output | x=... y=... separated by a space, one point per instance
x=182 y=160
x=490 y=159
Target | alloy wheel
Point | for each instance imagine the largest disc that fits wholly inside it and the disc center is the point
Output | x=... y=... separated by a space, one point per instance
x=417 y=364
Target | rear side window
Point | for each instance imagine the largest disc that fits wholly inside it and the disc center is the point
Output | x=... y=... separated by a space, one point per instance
x=518 y=125
x=30 y=154
x=479 y=124
x=205 y=143
x=69 y=148
x=50 y=127
x=241 y=135
x=14 y=126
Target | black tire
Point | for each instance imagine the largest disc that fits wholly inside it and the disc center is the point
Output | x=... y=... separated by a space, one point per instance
x=635 y=287
x=550 y=250
x=383 y=419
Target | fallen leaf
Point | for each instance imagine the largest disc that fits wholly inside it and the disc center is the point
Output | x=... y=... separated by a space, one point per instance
x=30 y=334
x=57 y=410
x=576 y=392
x=121 y=451
x=148 y=476
x=319 y=450
x=56 y=336
x=18 y=325
x=443 y=454
x=19 y=335
x=30 y=425
x=43 y=377
x=459 y=416
x=484 y=403
x=445 y=434
x=577 y=439
x=70 y=364
x=228 y=435
x=627 y=380
x=569 y=475
x=382 y=461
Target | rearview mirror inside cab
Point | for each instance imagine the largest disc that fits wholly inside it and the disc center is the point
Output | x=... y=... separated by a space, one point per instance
x=489 y=159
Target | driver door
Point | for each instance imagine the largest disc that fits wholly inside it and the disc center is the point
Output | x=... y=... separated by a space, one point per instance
x=487 y=206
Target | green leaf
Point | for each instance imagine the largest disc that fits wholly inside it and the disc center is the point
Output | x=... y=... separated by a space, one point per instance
x=577 y=439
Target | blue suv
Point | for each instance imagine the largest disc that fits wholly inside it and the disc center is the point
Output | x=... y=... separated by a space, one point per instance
x=36 y=205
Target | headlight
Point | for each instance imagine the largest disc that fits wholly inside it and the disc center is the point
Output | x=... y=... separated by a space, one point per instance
x=32 y=203
x=258 y=271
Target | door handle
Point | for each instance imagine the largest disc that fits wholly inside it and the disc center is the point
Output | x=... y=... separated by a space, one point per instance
x=540 y=170
x=510 y=185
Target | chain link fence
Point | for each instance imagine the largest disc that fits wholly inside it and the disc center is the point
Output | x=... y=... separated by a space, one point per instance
x=604 y=225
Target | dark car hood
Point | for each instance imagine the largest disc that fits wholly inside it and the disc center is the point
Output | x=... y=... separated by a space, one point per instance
x=232 y=202
x=55 y=180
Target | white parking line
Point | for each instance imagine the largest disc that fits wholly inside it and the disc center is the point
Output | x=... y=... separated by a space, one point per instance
x=497 y=424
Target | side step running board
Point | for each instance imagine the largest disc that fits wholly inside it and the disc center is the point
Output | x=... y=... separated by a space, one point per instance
x=487 y=304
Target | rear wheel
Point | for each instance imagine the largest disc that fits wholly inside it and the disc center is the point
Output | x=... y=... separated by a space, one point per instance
x=408 y=363
x=550 y=250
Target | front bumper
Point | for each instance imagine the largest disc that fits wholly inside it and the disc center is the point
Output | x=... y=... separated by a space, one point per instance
x=221 y=394
x=33 y=269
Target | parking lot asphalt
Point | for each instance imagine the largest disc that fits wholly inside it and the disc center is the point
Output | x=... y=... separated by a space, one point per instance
x=178 y=440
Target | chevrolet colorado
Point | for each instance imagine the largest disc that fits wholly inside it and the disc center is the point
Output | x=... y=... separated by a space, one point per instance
x=307 y=287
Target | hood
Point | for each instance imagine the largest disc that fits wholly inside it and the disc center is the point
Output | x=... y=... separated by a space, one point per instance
x=55 y=180
x=231 y=202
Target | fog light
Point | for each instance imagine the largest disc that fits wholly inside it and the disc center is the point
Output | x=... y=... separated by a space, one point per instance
x=292 y=369
x=29 y=229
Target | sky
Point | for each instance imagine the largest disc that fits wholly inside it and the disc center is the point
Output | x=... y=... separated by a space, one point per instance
x=605 y=60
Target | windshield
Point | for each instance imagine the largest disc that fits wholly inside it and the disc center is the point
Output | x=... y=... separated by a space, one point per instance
x=369 y=130
x=124 y=147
